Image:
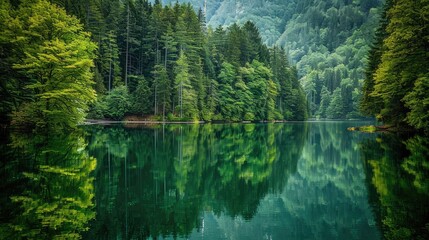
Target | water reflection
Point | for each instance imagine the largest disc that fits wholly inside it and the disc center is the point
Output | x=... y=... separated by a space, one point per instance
x=324 y=198
x=46 y=187
x=157 y=181
x=263 y=181
x=398 y=182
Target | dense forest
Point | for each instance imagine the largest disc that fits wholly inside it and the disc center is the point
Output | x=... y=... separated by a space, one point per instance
x=146 y=59
x=161 y=60
x=328 y=40
x=397 y=83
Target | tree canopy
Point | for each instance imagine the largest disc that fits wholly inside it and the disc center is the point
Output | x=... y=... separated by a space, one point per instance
x=397 y=84
x=47 y=75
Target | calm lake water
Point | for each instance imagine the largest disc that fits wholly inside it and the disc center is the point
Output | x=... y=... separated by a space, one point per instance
x=310 y=180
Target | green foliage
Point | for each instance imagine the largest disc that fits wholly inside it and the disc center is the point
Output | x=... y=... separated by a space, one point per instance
x=398 y=170
x=140 y=98
x=161 y=89
x=335 y=108
x=398 y=89
x=135 y=40
x=225 y=168
x=53 y=196
x=418 y=103
x=371 y=105
x=324 y=103
x=328 y=40
x=54 y=57
x=187 y=104
x=117 y=103
x=226 y=92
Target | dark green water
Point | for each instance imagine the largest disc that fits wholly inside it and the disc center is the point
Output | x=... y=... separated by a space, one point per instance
x=266 y=181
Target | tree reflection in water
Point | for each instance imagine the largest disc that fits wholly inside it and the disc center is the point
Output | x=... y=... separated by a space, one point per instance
x=157 y=181
x=398 y=182
x=47 y=189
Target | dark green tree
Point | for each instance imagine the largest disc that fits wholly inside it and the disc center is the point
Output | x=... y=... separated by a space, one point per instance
x=335 y=108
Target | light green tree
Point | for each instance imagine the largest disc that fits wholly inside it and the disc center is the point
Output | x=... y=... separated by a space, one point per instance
x=56 y=57
x=187 y=99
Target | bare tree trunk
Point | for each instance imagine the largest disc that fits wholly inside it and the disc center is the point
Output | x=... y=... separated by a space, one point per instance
x=110 y=65
x=181 y=99
x=126 y=51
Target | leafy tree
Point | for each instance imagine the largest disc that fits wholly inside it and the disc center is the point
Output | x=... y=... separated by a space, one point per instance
x=258 y=78
x=400 y=78
x=371 y=105
x=53 y=198
x=11 y=92
x=56 y=59
x=226 y=92
x=139 y=40
x=117 y=103
x=243 y=105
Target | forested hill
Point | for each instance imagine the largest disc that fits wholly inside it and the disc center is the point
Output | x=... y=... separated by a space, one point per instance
x=328 y=39
x=142 y=59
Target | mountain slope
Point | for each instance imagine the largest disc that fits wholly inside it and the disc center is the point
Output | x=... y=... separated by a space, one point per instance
x=328 y=40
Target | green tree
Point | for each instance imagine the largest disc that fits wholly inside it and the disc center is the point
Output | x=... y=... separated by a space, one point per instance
x=324 y=104
x=57 y=200
x=141 y=98
x=187 y=102
x=243 y=105
x=162 y=90
x=400 y=78
x=259 y=80
x=117 y=103
x=226 y=102
x=56 y=59
x=335 y=109
x=371 y=105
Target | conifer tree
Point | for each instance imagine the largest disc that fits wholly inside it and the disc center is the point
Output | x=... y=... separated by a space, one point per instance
x=187 y=101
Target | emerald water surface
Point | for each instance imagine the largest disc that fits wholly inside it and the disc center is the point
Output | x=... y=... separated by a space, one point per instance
x=310 y=180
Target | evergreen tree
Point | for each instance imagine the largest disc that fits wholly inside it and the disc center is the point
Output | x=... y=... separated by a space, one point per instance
x=187 y=102
x=324 y=104
x=400 y=78
x=371 y=105
x=141 y=97
x=226 y=92
x=162 y=90
x=166 y=57
x=335 y=109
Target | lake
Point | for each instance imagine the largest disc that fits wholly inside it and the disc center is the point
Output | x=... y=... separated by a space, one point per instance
x=312 y=180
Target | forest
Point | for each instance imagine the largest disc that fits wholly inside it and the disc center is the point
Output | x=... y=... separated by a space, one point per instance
x=397 y=78
x=145 y=59
x=213 y=61
x=328 y=40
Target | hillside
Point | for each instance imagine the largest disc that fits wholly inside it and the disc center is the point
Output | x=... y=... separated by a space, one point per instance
x=328 y=40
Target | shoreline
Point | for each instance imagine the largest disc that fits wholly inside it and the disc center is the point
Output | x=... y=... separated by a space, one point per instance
x=95 y=122
x=150 y=122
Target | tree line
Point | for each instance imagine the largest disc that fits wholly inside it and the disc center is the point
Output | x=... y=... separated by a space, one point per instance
x=148 y=60
x=397 y=79
x=327 y=39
